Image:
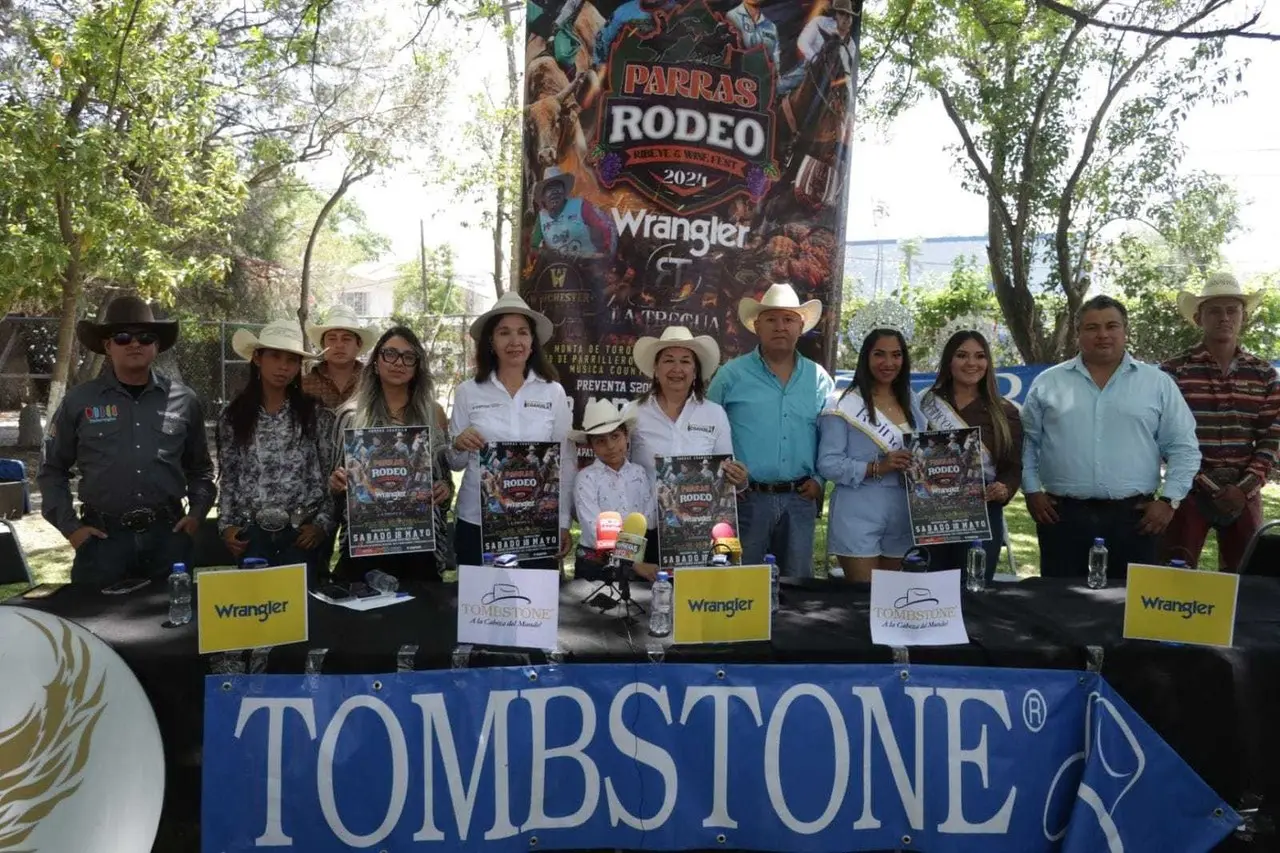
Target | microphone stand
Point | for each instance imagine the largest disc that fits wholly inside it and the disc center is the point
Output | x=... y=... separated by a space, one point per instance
x=618 y=583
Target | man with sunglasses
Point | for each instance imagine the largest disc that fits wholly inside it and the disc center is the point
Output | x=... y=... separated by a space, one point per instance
x=138 y=442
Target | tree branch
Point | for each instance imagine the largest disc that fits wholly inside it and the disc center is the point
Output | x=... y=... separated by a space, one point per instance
x=1240 y=30
x=971 y=149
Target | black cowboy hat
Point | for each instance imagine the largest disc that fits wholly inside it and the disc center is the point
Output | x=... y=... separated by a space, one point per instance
x=126 y=313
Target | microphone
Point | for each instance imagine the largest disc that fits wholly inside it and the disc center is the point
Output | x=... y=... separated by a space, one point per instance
x=725 y=543
x=629 y=548
x=607 y=526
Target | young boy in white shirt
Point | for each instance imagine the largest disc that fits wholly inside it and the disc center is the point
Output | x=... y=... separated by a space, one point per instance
x=611 y=484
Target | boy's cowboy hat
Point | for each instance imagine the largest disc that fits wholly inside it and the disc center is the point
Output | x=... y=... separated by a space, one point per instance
x=511 y=303
x=282 y=335
x=601 y=417
x=342 y=317
x=1220 y=285
x=126 y=313
x=704 y=347
x=781 y=296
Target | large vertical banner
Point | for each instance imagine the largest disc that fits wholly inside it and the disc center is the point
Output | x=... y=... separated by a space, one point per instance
x=680 y=156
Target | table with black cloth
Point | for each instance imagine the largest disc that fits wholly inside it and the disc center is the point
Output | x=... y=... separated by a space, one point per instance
x=1218 y=708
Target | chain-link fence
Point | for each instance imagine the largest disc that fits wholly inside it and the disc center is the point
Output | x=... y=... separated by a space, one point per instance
x=202 y=358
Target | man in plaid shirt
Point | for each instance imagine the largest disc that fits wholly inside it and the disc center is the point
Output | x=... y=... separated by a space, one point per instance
x=1235 y=397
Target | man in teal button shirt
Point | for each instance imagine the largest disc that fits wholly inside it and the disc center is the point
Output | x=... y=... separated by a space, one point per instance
x=1096 y=429
x=773 y=396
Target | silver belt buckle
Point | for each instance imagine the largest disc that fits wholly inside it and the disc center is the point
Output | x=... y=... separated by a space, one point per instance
x=272 y=520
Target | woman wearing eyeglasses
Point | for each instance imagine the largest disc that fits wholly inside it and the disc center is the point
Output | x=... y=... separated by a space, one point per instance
x=395 y=389
x=514 y=396
x=272 y=453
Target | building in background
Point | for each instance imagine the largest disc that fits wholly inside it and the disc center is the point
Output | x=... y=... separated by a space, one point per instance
x=369 y=290
x=875 y=267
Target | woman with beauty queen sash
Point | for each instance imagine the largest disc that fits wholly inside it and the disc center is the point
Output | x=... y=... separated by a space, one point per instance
x=860 y=449
x=966 y=395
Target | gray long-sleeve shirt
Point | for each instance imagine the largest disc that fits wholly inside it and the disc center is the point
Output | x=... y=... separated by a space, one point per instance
x=148 y=452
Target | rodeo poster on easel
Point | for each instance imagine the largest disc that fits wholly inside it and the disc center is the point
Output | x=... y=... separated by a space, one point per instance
x=680 y=156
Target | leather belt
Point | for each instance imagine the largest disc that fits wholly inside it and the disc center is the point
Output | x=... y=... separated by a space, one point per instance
x=1107 y=502
x=138 y=520
x=778 y=488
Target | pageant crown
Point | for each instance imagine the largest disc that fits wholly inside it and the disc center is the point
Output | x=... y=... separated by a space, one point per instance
x=880 y=314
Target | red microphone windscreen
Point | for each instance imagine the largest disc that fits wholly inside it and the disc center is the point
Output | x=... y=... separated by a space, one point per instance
x=608 y=525
x=722 y=530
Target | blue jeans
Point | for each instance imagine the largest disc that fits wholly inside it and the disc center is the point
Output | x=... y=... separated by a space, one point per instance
x=956 y=554
x=779 y=524
x=281 y=549
x=126 y=554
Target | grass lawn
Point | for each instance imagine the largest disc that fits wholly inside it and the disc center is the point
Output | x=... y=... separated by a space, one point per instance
x=50 y=557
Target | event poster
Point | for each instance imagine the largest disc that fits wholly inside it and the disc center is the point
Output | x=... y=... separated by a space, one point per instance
x=946 y=490
x=389 y=481
x=520 y=498
x=680 y=156
x=694 y=497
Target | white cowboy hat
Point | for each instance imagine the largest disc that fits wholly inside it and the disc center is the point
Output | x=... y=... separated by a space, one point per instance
x=1222 y=284
x=780 y=296
x=511 y=303
x=646 y=350
x=282 y=335
x=554 y=173
x=601 y=417
x=344 y=318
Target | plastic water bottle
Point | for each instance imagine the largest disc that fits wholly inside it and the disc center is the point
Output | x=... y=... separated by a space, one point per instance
x=1177 y=564
x=914 y=563
x=179 y=595
x=774 y=574
x=253 y=563
x=486 y=559
x=381 y=581
x=660 y=607
x=975 y=579
x=1098 y=564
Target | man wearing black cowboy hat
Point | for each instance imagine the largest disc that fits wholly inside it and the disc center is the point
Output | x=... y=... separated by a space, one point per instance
x=139 y=443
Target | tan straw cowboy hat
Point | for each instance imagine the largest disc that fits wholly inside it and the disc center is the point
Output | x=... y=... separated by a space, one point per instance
x=1219 y=286
x=511 y=303
x=126 y=314
x=343 y=318
x=282 y=335
x=704 y=347
x=602 y=417
x=780 y=296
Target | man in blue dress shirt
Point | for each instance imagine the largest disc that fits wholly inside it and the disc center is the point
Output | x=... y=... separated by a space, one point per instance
x=1096 y=429
x=773 y=396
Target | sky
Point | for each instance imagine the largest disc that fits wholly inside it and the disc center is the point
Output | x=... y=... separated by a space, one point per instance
x=906 y=170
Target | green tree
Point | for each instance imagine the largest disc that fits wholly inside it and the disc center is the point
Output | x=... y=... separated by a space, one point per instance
x=1176 y=245
x=436 y=286
x=488 y=170
x=108 y=173
x=1063 y=126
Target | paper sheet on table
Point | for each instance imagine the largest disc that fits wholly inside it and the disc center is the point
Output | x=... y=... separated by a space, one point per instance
x=916 y=609
x=363 y=604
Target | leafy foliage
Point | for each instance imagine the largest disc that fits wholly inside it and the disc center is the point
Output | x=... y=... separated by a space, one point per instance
x=1062 y=126
x=106 y=169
